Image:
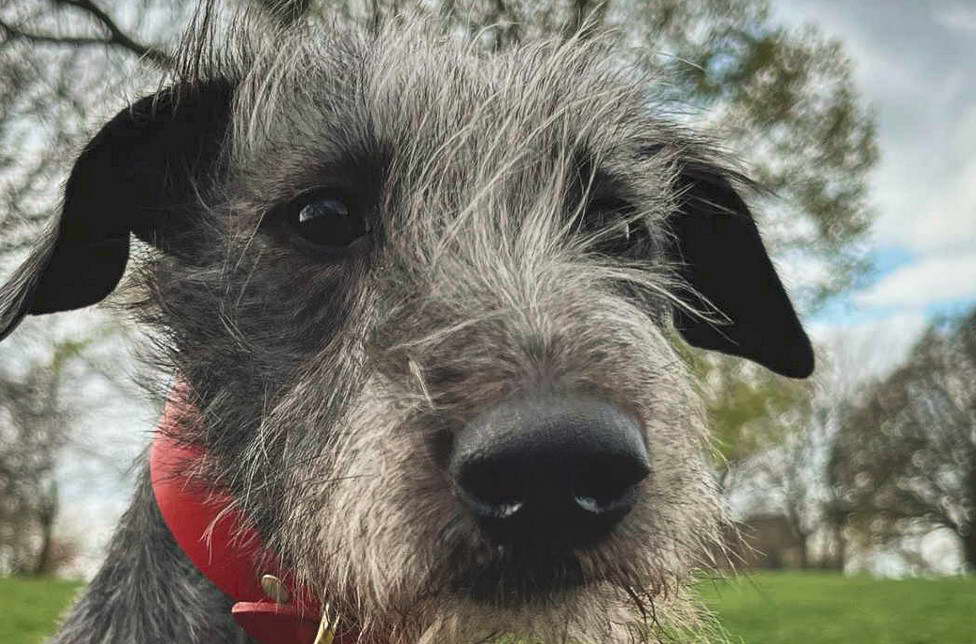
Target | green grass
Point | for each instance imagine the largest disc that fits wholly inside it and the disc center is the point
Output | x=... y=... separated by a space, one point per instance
x=823 y=608
x=29 y=608
x=767 y=608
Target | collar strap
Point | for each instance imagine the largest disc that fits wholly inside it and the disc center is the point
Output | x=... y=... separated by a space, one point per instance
x=270 y=606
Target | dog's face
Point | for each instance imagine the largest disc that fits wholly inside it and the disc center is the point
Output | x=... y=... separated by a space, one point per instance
x=423 y=300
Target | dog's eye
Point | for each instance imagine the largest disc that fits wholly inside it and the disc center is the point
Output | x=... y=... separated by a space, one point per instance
x=328 y=221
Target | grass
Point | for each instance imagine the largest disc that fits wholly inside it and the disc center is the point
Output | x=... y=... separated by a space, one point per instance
x=31 y=607
x=823 y=608
x=767 y=608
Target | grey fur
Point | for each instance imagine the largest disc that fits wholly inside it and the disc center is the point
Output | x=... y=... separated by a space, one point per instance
x=322 y=383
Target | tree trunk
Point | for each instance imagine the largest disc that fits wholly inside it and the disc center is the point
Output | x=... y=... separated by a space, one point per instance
x=804 y=550
x=42 y=565
x=968 y=530
x=46 y=514
x=840 y=547
x=968 y=536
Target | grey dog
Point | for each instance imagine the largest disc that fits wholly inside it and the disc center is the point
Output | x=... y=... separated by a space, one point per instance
x=426 y=303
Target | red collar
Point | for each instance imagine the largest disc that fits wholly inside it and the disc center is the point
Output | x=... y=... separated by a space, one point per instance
x=226 y=548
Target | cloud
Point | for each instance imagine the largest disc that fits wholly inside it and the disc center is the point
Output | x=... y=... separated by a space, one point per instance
x=956 y=16
x=929 y=197
x=849 y=352
x=913 y=62
x=934 y=279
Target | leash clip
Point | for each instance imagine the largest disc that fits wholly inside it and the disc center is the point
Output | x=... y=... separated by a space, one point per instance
x=327 y=627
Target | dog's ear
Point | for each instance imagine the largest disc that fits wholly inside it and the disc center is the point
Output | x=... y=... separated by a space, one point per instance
x=138 y=175
x=720 y=254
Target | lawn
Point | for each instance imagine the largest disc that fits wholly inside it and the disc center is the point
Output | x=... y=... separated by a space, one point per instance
x=823 y=608
x=29 y=608
x=767 y=608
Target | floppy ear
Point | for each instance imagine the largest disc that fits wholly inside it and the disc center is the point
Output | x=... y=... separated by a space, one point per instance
x=136 y=175
x=720 y=254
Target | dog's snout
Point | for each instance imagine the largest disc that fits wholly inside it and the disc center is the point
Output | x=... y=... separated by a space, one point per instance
x=550 y=469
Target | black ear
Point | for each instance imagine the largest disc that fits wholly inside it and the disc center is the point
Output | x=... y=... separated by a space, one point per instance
x=722 y=258
x=139 y=174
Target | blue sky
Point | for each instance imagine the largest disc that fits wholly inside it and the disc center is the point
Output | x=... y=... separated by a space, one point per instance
x=915 y=64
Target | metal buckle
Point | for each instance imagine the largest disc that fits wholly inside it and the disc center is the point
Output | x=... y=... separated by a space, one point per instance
x=327 y=627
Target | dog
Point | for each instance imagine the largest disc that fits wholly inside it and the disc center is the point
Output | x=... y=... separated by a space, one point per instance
x=424 y=308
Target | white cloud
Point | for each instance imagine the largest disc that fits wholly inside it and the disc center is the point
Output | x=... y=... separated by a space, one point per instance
x=850 y=353
x=956 y=16
x=931 y=206
x=913 y=62
x=931 y=280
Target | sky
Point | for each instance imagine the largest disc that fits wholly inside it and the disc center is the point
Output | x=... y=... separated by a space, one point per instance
x=915 y=65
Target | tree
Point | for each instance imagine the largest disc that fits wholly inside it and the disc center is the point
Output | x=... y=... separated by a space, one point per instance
x=747 y=408
x=905 y=459
x=773 y=436
x=776 y=439
x=61 y=63
x=32 y=432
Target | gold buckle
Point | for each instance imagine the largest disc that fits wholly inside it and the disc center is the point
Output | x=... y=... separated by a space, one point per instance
x=327 y=627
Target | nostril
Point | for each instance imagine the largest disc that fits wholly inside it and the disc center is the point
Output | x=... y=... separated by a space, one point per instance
x=492 y=508
x=613 y=488
x=484 y=487
x=623 y=500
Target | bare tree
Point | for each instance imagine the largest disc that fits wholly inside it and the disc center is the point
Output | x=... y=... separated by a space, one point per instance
x=774 y=434
x=64 y=65
x=777 y=441
x=905 y=459
x=32 y=432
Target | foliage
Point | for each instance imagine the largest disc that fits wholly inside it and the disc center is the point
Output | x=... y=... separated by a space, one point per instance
x=747 y=407
x=772 y=435
x=778 y=439
x=905 y=459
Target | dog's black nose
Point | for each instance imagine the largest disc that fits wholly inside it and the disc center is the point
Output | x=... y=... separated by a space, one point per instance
x=549 y=469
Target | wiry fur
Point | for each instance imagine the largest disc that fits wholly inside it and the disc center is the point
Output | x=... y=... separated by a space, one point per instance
x=322 y=383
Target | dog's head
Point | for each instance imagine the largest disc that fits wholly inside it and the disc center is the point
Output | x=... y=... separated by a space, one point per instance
x=423 y=299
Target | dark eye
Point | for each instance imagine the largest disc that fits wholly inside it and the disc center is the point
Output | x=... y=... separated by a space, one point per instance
x=328 y=221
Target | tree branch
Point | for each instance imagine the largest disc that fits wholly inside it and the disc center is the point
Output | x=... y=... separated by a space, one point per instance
x=116 y=37
x=49 y=39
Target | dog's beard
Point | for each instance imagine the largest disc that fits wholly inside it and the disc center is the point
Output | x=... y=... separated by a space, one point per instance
x=477 y=592
x=610 y=593
x=585 y=615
